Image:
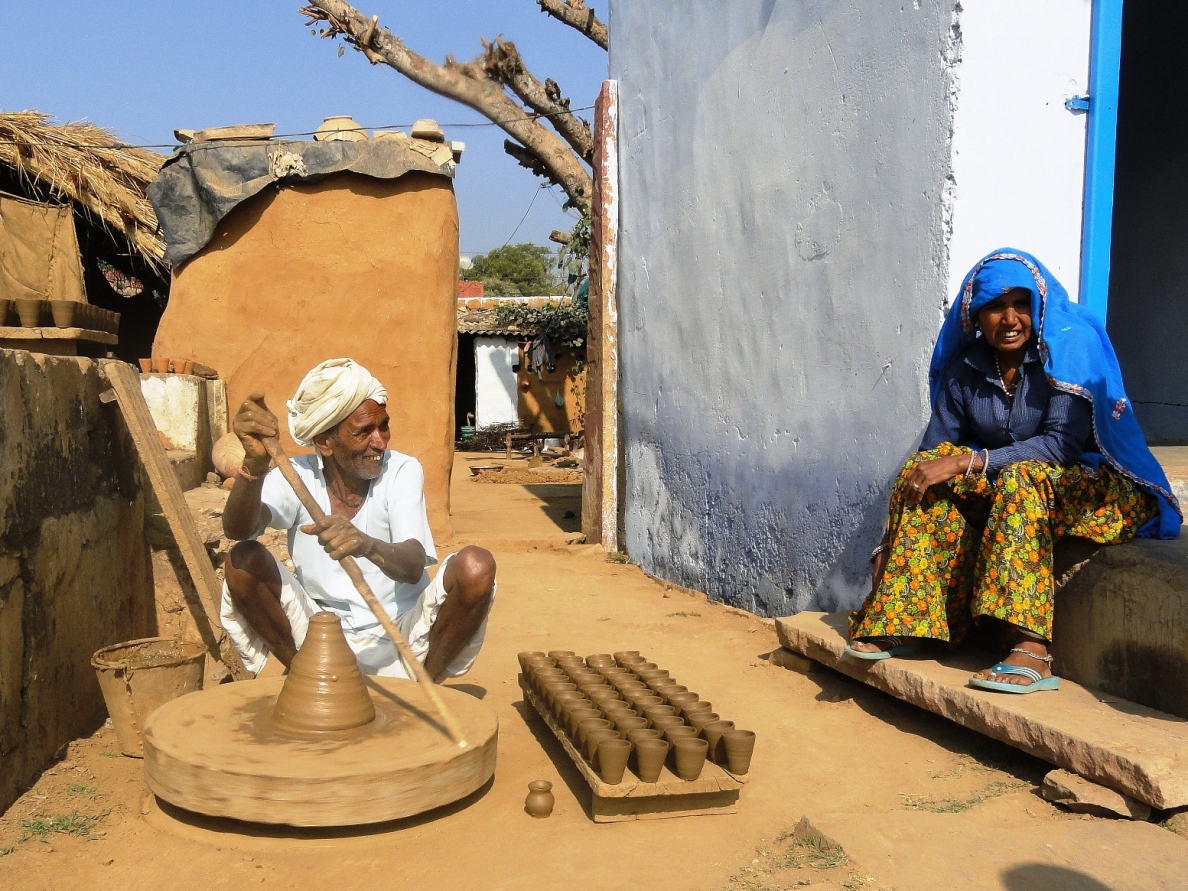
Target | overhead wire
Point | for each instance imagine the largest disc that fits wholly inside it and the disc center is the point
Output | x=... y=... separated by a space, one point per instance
x=525 y=216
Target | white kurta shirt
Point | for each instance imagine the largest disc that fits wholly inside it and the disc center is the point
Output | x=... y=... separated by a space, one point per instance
x=393 y=511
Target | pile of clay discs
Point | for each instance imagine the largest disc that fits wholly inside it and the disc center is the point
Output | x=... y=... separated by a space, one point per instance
x=621 y=710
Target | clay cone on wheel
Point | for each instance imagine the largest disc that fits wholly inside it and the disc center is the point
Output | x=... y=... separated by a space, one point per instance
x=324 y=690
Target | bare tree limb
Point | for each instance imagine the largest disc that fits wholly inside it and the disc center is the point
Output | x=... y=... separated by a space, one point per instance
x=503 y=62
x=527 y=159
x=577 y=15
x=462 y=83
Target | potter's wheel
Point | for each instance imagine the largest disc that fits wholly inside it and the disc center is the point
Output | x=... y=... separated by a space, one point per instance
x=222 y=751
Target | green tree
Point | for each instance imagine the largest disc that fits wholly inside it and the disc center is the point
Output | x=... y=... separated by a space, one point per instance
x=527 y=268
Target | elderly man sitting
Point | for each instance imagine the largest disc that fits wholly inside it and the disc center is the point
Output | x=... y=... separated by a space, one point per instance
x=375 y=511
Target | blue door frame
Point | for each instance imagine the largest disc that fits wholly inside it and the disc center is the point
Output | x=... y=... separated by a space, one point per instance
x=1105 y=65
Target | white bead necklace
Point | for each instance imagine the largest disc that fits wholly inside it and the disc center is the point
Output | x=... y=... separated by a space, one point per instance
x=1002 y=380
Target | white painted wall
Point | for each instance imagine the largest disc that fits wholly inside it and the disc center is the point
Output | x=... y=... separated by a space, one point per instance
x=495 y=381
x=1018 y=153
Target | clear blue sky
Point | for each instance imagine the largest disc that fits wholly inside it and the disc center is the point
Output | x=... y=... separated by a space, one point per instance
x=144 y=68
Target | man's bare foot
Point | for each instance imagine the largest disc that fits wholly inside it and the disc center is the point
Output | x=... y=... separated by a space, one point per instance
x=1032 y=658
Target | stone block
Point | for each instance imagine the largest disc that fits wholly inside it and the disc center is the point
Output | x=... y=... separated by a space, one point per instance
x=1122 y=624
x=1080 y=796
x=1127 y=747
x=785 y=658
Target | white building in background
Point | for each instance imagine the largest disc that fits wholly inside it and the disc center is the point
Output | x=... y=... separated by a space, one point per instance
x=496 y=363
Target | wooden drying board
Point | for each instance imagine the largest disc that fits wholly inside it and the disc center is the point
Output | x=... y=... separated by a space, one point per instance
x=54 y=341
x=125 y=382
x=714 y=792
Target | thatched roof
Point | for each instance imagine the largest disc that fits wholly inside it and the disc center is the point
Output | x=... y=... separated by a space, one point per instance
x=87 y=165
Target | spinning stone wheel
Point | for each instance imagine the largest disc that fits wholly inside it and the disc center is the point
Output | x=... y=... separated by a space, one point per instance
x=323 y=746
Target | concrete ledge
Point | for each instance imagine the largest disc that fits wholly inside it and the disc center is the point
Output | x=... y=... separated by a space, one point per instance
x=1133 y=749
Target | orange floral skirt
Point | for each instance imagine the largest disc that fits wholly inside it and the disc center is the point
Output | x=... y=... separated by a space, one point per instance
x=984 y=548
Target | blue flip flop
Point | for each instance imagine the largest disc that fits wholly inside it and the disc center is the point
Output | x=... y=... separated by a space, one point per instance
x=897 y=648
x=1038 y=681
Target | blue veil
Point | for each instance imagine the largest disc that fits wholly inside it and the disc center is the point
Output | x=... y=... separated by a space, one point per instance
x=1078 y=359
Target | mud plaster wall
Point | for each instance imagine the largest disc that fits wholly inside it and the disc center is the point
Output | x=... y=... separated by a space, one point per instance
x=349 y=266
x=537 y=404
x=781 y=280
x=74 y=563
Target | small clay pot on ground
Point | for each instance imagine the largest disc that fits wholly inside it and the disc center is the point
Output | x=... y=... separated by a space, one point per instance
x=690 y=757
x=740 y=745
x=713 y=735
x=593 y=738
x=612 y=760
x=634 y=736
x=539 y=802
x=649 y=758
x=628 y=723
x=64 y=312
x=29 y=311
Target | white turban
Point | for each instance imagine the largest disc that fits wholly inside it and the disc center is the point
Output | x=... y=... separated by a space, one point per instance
x=328 y=395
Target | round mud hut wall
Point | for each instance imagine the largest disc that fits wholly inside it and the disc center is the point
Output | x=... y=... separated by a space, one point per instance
x=347 y=266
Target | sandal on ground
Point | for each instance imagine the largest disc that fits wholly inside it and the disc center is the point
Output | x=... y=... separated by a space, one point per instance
x=892 y=646
x=1038 y=681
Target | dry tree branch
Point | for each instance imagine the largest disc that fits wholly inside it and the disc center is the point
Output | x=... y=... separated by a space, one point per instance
x=467 y=83
x=577 y=15
x=503 y=62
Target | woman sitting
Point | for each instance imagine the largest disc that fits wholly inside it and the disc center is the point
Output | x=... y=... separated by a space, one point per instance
x=1031 y=439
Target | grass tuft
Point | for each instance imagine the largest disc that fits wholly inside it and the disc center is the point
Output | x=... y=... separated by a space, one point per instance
x=72 y=823
x=957 y=805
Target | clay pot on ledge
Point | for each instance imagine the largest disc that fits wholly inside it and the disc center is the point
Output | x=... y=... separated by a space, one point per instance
x=713 y=735
x=650 y=755
x=740 y=745
x=690 y=757
x=612 y=760
x=29 y=311
x=65 y=313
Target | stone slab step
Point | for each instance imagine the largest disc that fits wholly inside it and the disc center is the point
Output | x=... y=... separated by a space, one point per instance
x=1133 y=749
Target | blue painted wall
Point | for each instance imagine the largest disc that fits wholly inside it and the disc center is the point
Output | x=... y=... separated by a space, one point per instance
x=782 y=279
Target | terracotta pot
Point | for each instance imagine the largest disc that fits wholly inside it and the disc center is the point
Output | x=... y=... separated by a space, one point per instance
x=557 y=654
x=670 y=690
x=612 y=760
x=697 y=707
x=585 y=725
x=593 y=738
x=65 y=313
x=740 y=745
x=29 y=311
x=527 y=657
x=340 y=127
x=634 y=736
x=649 y=758
x=713 y=735
x=643 y=701
x=680 y=731
x=6 y=310
x=598 y=659
x=146 y=366
x=540 y=800
x=625 y=656
x=627 y=724
x=690 y=758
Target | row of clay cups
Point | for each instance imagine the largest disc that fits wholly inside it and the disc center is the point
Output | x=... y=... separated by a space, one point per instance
x=595 y=700
x=36 y=313
x=728 y=746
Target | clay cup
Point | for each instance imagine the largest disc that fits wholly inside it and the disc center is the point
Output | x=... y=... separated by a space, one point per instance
x=586 y=725
x=627 y=723
x=593 y=738
x=649 y=758
x=612 y=759
x=690 y=757
x=29 y=311
x=740 y=745
x=713 y=735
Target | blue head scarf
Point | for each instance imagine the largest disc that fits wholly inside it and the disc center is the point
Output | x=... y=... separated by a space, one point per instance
x=1078 y=359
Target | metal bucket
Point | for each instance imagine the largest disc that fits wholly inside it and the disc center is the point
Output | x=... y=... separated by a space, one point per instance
x=138 y=676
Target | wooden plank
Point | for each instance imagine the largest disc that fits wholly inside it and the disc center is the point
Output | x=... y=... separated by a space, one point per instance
x=714 y=792
x=86 y=335
x=125 y=382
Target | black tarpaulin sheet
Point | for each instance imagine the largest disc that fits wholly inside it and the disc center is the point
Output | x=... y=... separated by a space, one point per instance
x=205 y=181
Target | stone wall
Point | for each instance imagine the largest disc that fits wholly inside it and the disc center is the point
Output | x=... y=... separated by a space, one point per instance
x=74 y=563
x=782 y=275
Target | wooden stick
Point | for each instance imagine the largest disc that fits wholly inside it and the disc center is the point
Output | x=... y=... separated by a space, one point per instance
x=356 y=576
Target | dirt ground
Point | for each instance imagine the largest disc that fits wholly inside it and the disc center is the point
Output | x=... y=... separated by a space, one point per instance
x=905 y=799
